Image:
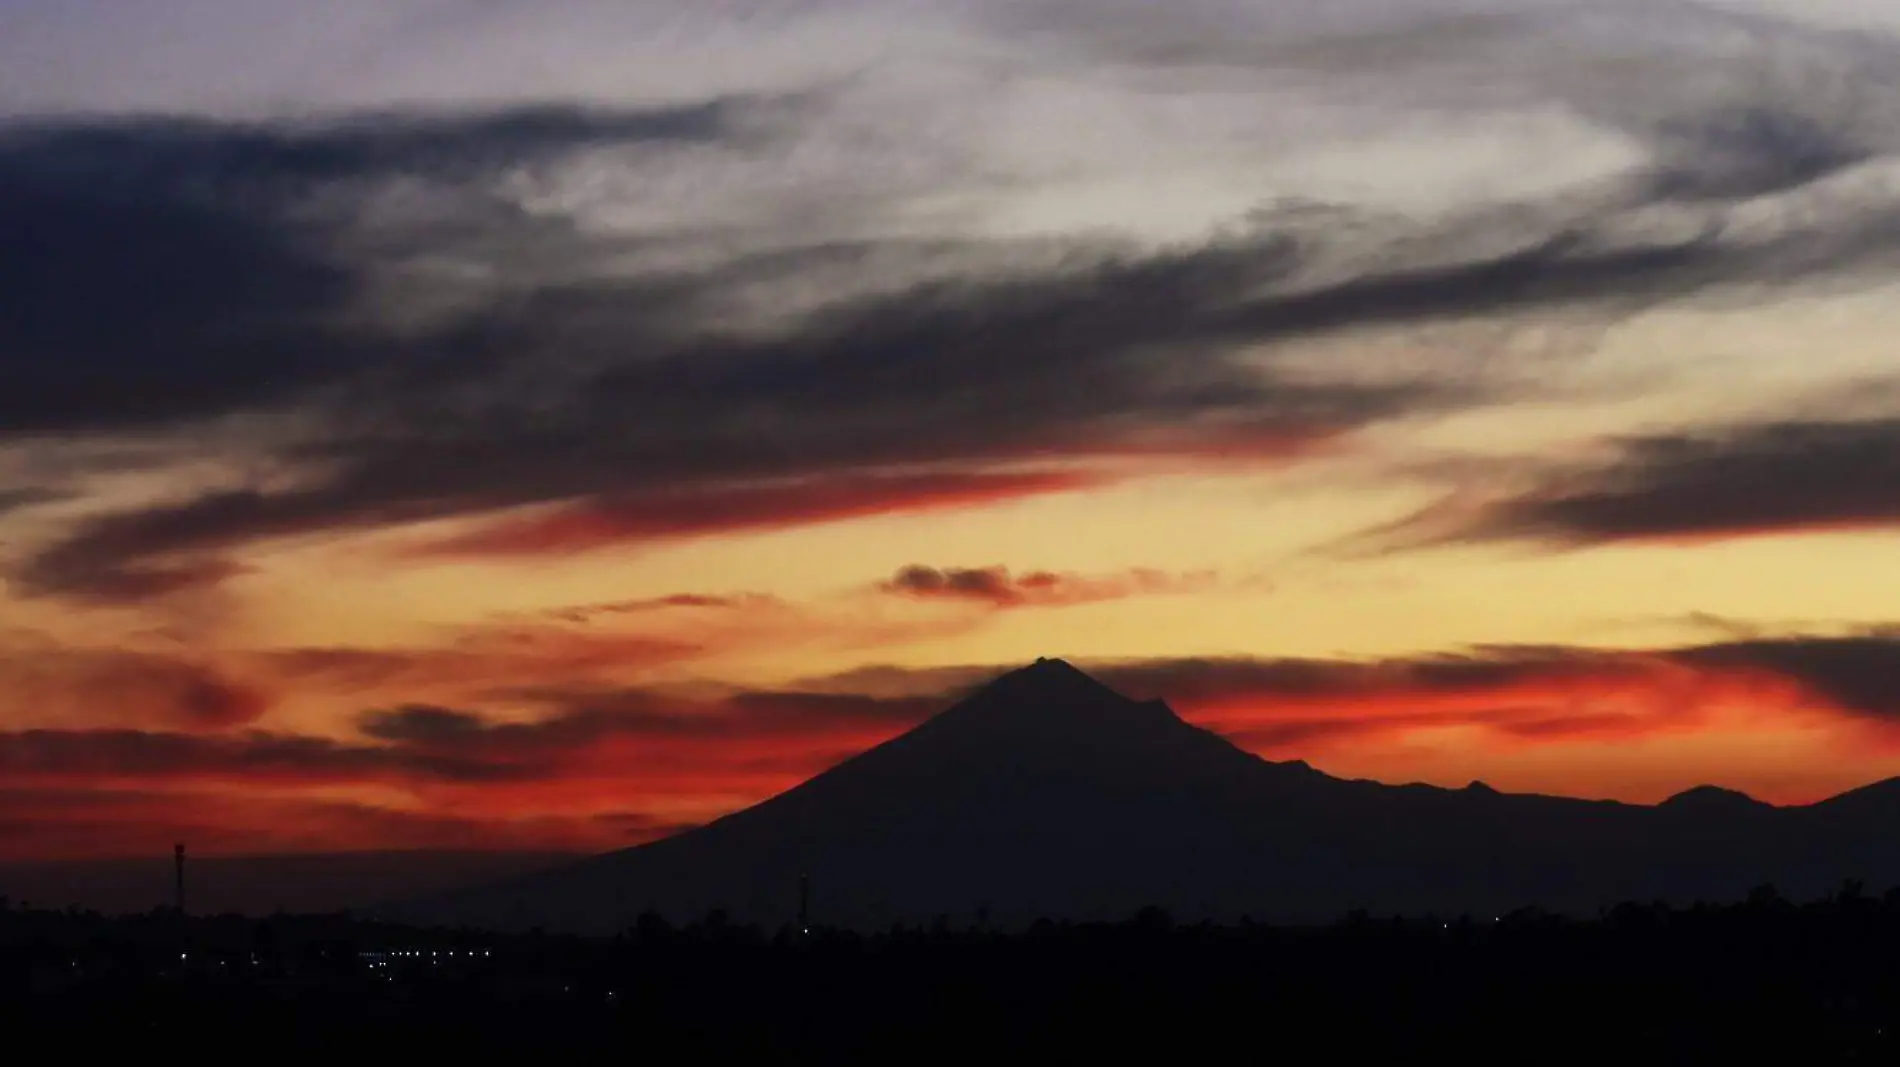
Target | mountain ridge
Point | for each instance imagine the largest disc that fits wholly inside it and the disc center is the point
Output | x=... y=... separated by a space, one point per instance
x=1045 y=793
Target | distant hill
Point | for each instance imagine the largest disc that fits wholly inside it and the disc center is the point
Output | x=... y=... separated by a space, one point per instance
x=1047 y=794
x=259 y=885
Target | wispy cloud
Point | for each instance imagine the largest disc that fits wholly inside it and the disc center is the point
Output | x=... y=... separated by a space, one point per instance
x=469 y=314
x=1759 y=480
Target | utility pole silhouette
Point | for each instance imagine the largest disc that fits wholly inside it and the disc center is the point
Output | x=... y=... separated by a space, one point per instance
x=178 y=859
x=804 y=905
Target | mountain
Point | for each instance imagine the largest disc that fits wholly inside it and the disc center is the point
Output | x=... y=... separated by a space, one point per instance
x=1045 y=793
x=1713 y=798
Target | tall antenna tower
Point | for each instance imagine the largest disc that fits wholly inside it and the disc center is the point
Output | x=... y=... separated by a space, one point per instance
x=178 y=860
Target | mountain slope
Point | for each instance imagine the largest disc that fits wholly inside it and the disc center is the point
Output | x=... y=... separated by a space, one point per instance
x=1046 y=793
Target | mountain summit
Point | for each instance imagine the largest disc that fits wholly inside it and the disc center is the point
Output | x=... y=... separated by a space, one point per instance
x=1713 y=798
x=1046 y=793
x=1052 y=723
x=1051 y=701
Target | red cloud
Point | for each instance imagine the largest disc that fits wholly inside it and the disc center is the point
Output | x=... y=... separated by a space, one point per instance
x=599 y=771
x=744 y=508
x=599 y=764
x=1510 y=696
x=86 y=823
x=120 y=686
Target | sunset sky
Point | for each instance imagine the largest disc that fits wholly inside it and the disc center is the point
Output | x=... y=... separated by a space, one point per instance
x=494 y=424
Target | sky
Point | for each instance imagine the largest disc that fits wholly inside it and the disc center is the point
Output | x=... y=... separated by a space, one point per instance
x=504 y=425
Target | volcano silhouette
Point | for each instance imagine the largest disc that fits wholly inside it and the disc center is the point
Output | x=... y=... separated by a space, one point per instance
x=1047 y=794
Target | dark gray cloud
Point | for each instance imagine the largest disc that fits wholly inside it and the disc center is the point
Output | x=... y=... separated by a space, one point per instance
x=28 y=497
x=419 y=746
x=1750 y=151
x=611 y=394
x=168 y=270
x=1526 y=690
x=256 y=757
x=1758 y=480
x=596 y=394
x=1727 y=103
x=578 y=719
x=999 y=588
x=127 y=305
x=1854 y=673
x=1516 y=693
x=417 y=722
x=988 y=585
x=1500 y=671
x=1860 y=673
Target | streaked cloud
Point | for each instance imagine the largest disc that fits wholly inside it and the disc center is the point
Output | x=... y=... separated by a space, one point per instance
x=1762 y=480
x=463 y=319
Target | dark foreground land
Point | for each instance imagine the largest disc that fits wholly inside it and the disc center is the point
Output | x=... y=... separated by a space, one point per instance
x=1764 y=981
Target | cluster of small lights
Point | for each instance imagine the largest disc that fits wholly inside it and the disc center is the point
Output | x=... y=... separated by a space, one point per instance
x=434 y=954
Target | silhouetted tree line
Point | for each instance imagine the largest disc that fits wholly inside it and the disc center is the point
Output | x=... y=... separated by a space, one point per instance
x=1814 y=982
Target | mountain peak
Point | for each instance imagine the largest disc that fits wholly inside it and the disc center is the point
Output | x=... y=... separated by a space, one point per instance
x=1712 y=798
x=1052 y=679
x=1056 y=691
x=1051 y=709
